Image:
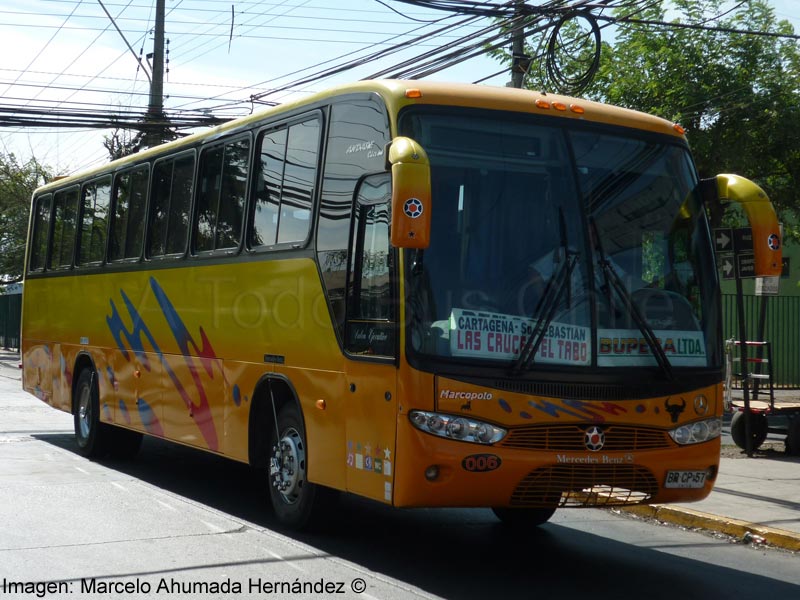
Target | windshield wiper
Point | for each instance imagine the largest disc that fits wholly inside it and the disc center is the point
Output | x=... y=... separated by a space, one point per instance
x=545 y=311
x=613 y=281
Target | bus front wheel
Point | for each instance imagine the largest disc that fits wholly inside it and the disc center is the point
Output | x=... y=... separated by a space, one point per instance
x=523 y=517
x=296 y=501
x=90 y=433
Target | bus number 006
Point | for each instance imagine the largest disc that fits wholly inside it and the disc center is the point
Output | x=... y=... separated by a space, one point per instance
x=481 y=462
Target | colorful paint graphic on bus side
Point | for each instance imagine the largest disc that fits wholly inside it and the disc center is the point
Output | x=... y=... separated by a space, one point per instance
x=133 y=341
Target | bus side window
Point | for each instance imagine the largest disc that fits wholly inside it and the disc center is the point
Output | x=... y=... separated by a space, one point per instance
x=284 y=186
x=302 y=151
x=41 y=230
x=127 y=216
x=222 y=184
x=264 y=228
x=94 y=221
x=170 y=202
x=65 y=216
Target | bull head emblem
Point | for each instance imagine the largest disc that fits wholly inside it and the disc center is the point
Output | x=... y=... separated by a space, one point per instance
x=674 y=410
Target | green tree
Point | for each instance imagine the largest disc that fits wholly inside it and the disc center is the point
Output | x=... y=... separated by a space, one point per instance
x=17 y=182
x=737 y=95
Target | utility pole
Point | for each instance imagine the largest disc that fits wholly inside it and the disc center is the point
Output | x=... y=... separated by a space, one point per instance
x=155 y=109
x=519 y=60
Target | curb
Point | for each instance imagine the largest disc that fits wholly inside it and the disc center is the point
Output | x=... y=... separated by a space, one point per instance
x=741 y=530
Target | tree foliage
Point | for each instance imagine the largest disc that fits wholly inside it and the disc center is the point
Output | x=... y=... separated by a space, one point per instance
x=121 y=143
x=17 y=182
x=737 y=95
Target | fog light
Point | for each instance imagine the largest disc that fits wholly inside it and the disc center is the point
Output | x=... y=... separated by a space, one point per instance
x=432 y=473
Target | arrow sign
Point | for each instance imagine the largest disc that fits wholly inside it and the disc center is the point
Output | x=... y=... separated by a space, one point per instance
x=727 y=267
x=722 y=240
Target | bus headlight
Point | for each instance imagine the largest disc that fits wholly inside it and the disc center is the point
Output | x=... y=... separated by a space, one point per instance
x=697 y=432
x=456 y=428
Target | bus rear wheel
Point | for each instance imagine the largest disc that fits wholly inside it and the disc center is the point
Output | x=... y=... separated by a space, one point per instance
x=524 y=517
x=90 y=433
x=297 y=502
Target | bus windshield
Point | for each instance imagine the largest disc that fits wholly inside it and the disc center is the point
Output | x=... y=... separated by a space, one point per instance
x=570 y=246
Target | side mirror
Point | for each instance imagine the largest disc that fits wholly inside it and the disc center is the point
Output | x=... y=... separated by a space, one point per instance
x=767 y=241
x=411 y=194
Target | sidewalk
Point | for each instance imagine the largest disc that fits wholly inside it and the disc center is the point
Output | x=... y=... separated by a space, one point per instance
x=755 y=500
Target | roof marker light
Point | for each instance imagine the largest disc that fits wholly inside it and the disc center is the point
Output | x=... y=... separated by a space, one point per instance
x=577 y=109
x=542 y=103
x=678 y=128
x=559 y=106
x=413 y=93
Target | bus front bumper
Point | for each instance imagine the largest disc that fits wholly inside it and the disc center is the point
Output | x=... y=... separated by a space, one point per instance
x=433 y=471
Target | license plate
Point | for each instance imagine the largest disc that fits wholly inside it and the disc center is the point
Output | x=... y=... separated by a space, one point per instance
x=685 y=479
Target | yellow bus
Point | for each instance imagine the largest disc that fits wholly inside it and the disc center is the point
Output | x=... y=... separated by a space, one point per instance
x=425 y=294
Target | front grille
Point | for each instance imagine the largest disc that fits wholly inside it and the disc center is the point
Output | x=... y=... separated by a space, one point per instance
x=585 y=485
x=583 y=391
x=571 y=437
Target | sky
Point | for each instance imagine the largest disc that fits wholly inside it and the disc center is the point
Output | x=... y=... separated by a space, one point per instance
x=67 y=54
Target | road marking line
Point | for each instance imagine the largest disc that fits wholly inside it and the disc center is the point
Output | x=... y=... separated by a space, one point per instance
x=286 y=562
x=169 y=506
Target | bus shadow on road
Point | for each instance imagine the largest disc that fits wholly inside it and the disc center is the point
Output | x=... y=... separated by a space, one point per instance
x=454 y=553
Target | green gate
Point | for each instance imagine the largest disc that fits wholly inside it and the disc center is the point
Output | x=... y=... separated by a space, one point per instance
x=10 y=314
x=781 y=329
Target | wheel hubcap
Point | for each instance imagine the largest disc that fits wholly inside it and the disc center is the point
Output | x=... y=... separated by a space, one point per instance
x=85 y=412
x=287 y=468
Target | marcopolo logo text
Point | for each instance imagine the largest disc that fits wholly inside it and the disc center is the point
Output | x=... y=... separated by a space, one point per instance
x=453 y=395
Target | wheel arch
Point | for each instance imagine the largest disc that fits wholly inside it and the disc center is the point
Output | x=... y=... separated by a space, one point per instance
x=83 y=361
x=261 y=421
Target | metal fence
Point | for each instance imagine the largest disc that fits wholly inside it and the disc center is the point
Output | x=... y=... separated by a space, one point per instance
x=781 y=329
x=10 y=313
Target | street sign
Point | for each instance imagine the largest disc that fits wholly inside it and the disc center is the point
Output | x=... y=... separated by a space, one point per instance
x=746 y=265
x=767 y=286
x=723 y=240
x=727 y=266
x=743 y=239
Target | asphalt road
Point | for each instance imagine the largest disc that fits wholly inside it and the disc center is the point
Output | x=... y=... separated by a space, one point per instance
x=196 y=523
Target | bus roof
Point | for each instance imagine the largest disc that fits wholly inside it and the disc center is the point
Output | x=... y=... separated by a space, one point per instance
x=399 y=93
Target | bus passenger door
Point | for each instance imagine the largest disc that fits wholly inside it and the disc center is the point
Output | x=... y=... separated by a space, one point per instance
x=370 y=342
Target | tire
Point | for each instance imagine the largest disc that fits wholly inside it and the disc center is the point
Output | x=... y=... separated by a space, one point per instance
x=297 y=503
x=758 y=429
x=123 y=444
x=793 y=437
x=522 y=518
x=90 y=433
